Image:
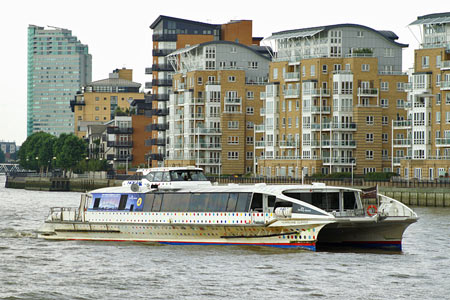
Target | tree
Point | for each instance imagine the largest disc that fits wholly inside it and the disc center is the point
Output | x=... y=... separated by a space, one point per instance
x=2 y=156
x=36 y=152
x=69 y=151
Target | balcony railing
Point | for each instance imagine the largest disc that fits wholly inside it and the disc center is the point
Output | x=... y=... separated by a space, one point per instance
x=316 y=92
x=157 y=142
x=162 y=82
x=231 y=100
x=445 y=65
x=148 y=71
x=291 y=93
x=339 y=160
x=259 y=128
x=120 y=144
x=162 y=52
x=445 y=85
x=292 y=76
x=405 y=124
x=157 y=112
x=119 y=130
x=402 y=142
x=209 y=161
x=443 y=142
x=164 y=37
x=159 y=97
x=157 y=127
x=162 y=67
x=115 y=157
x=369 y=92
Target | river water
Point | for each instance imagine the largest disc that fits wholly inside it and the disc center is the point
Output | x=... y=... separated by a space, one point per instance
x=32 y=268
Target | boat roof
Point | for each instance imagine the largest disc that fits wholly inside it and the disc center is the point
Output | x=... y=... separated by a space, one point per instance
x=165 y=169
x=231 y=188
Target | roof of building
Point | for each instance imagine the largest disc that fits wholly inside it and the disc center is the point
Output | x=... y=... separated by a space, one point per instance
x=306 y=32
x=438 y=18
x=96 y=129
x=115 y=82
x=163 y=17
x=258 y=50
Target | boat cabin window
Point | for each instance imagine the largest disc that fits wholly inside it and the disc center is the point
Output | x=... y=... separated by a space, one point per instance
x=157 y=202
x=157 y=176
x=148 y=202
x=96 y=203
x=326 y=201
x=257 y=202
x=232 y=201
x=350 y=200
x=281 y=203
x=271 y=201
x=123 y=202
x=187 y=175
x=175 y=203
x=149 y=176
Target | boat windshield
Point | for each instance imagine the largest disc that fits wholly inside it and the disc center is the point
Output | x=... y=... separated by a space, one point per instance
x=176 y=175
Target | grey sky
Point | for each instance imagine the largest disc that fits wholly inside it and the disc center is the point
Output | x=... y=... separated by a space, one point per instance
x=118 y=33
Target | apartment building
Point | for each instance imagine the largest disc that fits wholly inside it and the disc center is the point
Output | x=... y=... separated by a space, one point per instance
x=215 y=104
x=58 y=65
x=97 y=101
x=426 y=131
x=333 y=94
x=170 y=34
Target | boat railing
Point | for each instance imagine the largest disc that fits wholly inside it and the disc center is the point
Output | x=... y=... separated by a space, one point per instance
x=349 y=213
x=64 y=214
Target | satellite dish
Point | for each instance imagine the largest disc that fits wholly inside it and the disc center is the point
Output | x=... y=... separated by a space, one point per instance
x=134 y=187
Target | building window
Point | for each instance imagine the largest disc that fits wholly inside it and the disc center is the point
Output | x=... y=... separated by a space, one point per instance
x=97 y=108
x=313 y=70
x=438 y=79
x=447 y=98
x=297 y=121
x=249 y=155
x=289 y=105
x=249 y=140
x=384 y=120
x=80 y=118
x=289 y=122
x=388 y=52
x=384 y=103
x=438 y=99
x=400 y=103
x=336 y=67
x=369 y=137
x=360 y=34
x=250 y=125
x=275 y=73
x=249 y=110
x=233 y=124
x=438 y=117
x=210 y=65
x=400 y=86
x=303 y=71
x=369 y=154
x=97 y=118
x=297 y=105
x=233 y=49
x=97 y=98
x=250 y=95
x=324 y=69
x=80 y=108
x=369 y=120
x=447 y=117
x=233 y=140
x=369 y=170
x=231 y=78
x=425 y=62
x=233 y=155
x=283 y=122
x=385 y=86
x=384 y=137
x=199 y=80
x=253 y=65
x=365 y=67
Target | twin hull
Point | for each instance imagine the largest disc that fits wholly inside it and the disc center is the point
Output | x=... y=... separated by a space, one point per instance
x=224 y=229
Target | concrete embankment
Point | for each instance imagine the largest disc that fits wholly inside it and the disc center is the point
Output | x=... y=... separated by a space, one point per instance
x=59 y=184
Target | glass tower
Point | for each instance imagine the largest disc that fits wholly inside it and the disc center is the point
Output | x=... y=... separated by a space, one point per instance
x=58 y=65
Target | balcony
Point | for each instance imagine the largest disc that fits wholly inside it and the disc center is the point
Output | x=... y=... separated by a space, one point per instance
x=119 y=130
x=156 y=127
x=445 y=65
x=204 y=146
x=260 y=128
x=442 y=142
x=164 y=37
x=118 y=157
x=317 y=92
x=155 y=142
x=445 y=85
x=159 y=97
x=401 y=142
x=317 y=109
x=209 y=161
x=403 y=124
x=291 y=93
x=120 y=144
x=233 y=101
x=162 y=67
x=157 y=112
x=339 y=143
x=205 y=131
x=369 y=92
x=157 y=156
x=148 y=71
x=162 y=52
x=339 y=160
x=292 y=76
x=162 y=82
x=288 y=144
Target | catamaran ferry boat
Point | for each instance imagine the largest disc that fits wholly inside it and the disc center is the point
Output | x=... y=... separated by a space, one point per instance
x=286 y=216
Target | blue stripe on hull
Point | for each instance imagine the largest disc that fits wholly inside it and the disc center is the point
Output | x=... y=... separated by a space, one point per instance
x=310 y=247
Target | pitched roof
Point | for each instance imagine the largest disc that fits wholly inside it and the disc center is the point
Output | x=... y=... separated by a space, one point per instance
x=163 y=17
